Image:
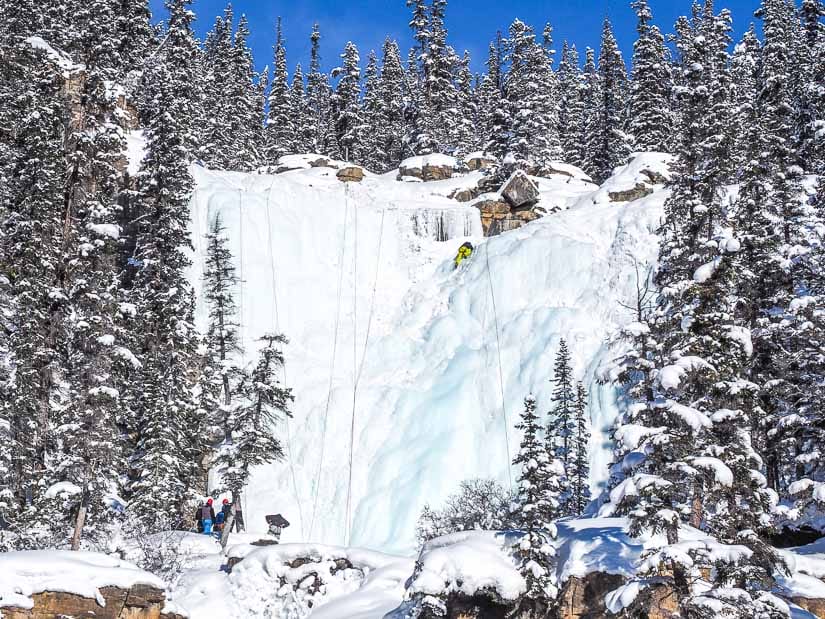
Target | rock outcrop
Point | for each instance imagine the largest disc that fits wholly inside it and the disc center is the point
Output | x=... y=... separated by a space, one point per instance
x=498 y=216
x=628 y=195
x=351 y=174
x=815 y=607
x=584 y=598
x=138 y=602
x=520 y=191
x=427 y=168
x=479 y=161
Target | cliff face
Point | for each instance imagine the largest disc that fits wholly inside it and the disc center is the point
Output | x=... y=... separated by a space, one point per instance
x=137 y=602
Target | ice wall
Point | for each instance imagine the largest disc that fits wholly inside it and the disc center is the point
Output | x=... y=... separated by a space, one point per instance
x=371 y=259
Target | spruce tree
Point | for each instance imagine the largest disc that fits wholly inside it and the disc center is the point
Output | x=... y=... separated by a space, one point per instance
x=810 y=70
x=29 y=258
x=280 y=132
x=590 y=93
x=215 y=124
x=650 y=86
x=299 y=116
x=346 y=103
x=571 y=106
x=531 y=92
x=608 y=145
x=560 y=429
x=493 y=113
x=135 y=37
x=245 y=119
x=319 y=94
x=250 y=440
x=745 y=70
x=169 y=446
x=393 y=91
x=538 y=504
x=579 y=473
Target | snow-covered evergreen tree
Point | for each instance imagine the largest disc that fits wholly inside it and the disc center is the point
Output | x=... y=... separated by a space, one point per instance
x=168 y=453
x=608 y=146
x=650 y=87
x=346 y=103
x=280 y=133
x=745 y=69
x=537 y=504
x=29 y=258
x=810 y=70
x=299 y=113
x=590 y=93
x=394 y=93
x=319 y=94
x=571 y=106
x=250 y=439
x=579 y=471
x=493 y=113
x=531 y=91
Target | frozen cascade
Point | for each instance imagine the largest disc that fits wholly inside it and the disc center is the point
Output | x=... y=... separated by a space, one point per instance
x=445 y=224
x=428 y=406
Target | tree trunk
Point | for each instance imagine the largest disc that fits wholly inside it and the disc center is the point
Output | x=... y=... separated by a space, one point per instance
x=696 y=507
x=227 y=527
x=80 y=521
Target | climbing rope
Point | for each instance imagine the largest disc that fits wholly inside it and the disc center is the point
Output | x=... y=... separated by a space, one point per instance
x=241 y=281
x=500 y=371
x=277 y=327
x=354 y=362
x=357 y=375
x=331 y=369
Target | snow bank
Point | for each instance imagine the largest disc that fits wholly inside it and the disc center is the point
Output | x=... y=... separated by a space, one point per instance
x=59 y=58
x=296 y=580
x=595 y=545
x=435 y=160
x=27 y=573
x=468 y=563
x=569 y=170
x=135 y=150
x=428 y=411
x=643 y=169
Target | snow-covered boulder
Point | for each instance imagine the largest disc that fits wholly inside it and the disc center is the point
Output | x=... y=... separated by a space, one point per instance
x=467 y=574
x=428 y=167
x=289 y=580
x=640 y=177
x=306 y=161
x=479 y=161
x=520 y=191
x=43 y=584
x=351 y=174
x=559 y=168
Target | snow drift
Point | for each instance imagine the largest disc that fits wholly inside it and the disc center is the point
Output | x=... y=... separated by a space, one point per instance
x=360 y=278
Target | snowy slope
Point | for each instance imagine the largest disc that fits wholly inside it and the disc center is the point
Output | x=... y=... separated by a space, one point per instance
x=428 y=410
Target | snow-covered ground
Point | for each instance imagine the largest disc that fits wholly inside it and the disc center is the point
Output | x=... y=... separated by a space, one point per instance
x=25 y=574
x=421 y=341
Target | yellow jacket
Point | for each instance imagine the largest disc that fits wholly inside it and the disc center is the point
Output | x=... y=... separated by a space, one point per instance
x=463 y=252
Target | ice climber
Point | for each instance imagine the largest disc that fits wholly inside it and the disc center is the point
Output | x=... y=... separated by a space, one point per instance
x=464 y=252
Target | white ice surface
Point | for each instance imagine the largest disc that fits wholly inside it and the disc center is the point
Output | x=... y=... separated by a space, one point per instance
x=428 y=410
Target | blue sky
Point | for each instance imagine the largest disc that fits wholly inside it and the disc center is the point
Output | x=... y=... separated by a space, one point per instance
x=471 y=23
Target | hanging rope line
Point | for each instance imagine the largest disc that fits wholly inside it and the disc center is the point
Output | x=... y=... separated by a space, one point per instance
x=357 y=376
x=241 y=281
x=500 y=371
x=348 y=509
x=277 y=327
x=331 y=368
